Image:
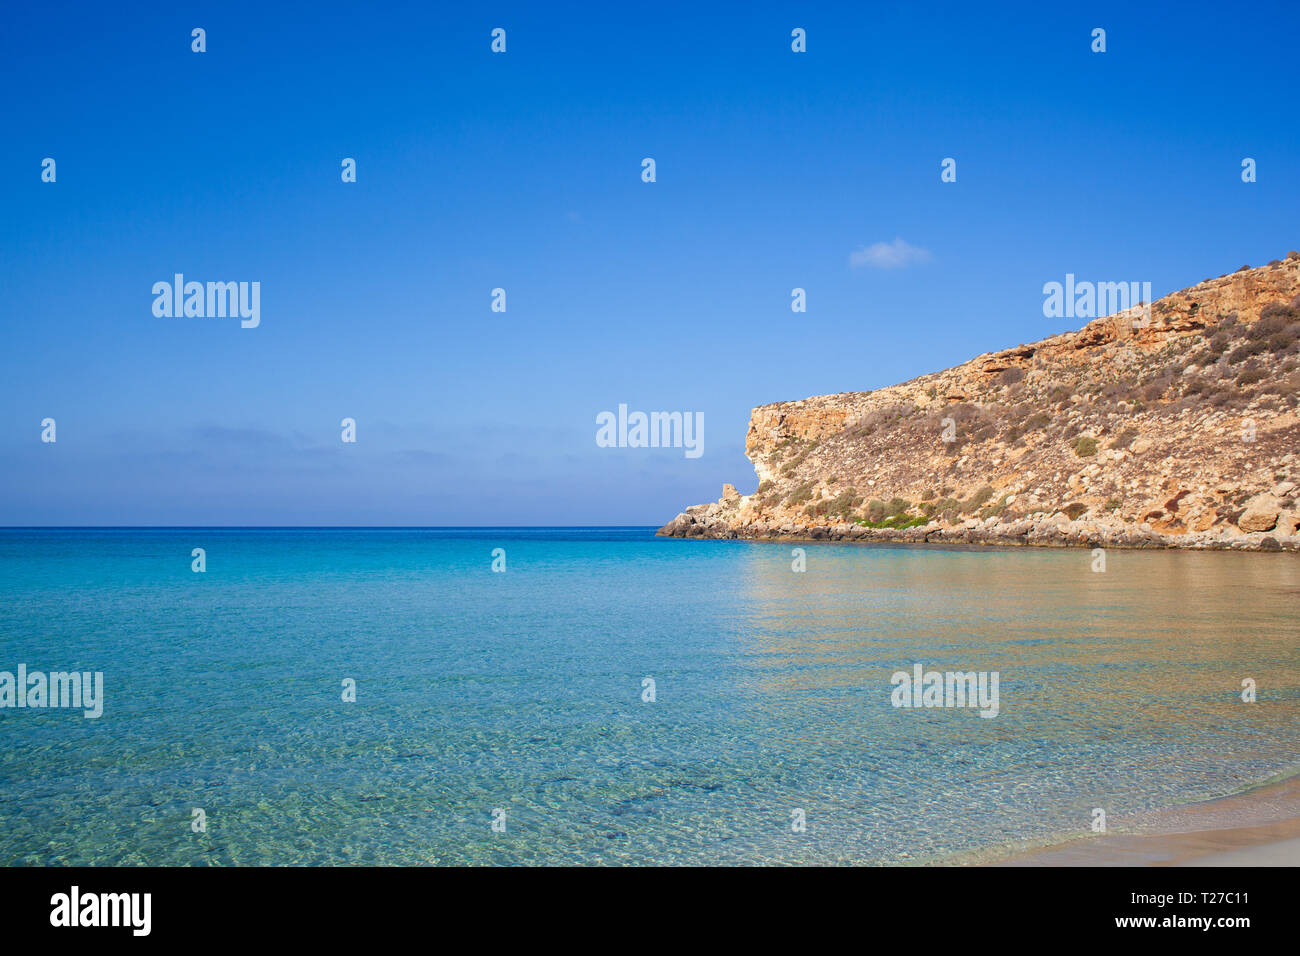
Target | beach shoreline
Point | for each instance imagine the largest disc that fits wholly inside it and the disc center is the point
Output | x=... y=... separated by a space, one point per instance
x=1259 y=826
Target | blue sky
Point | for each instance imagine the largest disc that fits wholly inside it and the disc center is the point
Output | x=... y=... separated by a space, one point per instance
x=522 y=171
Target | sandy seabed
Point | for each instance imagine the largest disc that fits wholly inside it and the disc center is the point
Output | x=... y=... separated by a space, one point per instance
x=1257 y=827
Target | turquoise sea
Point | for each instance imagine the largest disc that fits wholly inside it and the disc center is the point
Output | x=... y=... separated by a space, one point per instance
x=522 y=691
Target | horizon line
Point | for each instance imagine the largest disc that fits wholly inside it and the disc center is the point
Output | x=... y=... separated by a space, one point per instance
x=320 y=527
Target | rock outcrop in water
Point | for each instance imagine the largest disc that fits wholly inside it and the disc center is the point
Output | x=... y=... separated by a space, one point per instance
x=1178 y=431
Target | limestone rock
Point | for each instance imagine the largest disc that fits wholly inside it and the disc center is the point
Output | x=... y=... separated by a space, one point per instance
x=1179 y=452
x=1261 y=514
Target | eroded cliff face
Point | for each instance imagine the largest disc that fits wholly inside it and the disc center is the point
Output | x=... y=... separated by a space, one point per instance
x=1175 y=429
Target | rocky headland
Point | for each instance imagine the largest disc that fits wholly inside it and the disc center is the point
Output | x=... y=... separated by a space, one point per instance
x=1172 y=427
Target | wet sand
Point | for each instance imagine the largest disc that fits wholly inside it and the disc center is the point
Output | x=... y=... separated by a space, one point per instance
x=1259 y=827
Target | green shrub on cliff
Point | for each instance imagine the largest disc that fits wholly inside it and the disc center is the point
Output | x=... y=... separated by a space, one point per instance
x=842 y=505
x=996 y=509
x=977 y=500
x=1085 y=446
x=800 y=494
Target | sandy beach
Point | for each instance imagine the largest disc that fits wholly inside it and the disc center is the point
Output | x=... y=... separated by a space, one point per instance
x=1258 y=827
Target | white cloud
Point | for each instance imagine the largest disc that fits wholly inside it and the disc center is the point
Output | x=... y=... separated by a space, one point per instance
x=889 y=255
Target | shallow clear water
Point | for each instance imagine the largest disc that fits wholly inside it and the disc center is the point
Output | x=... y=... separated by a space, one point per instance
x=522 y=691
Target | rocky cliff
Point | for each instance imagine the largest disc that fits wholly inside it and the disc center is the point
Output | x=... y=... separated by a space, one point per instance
x=1175 y=426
